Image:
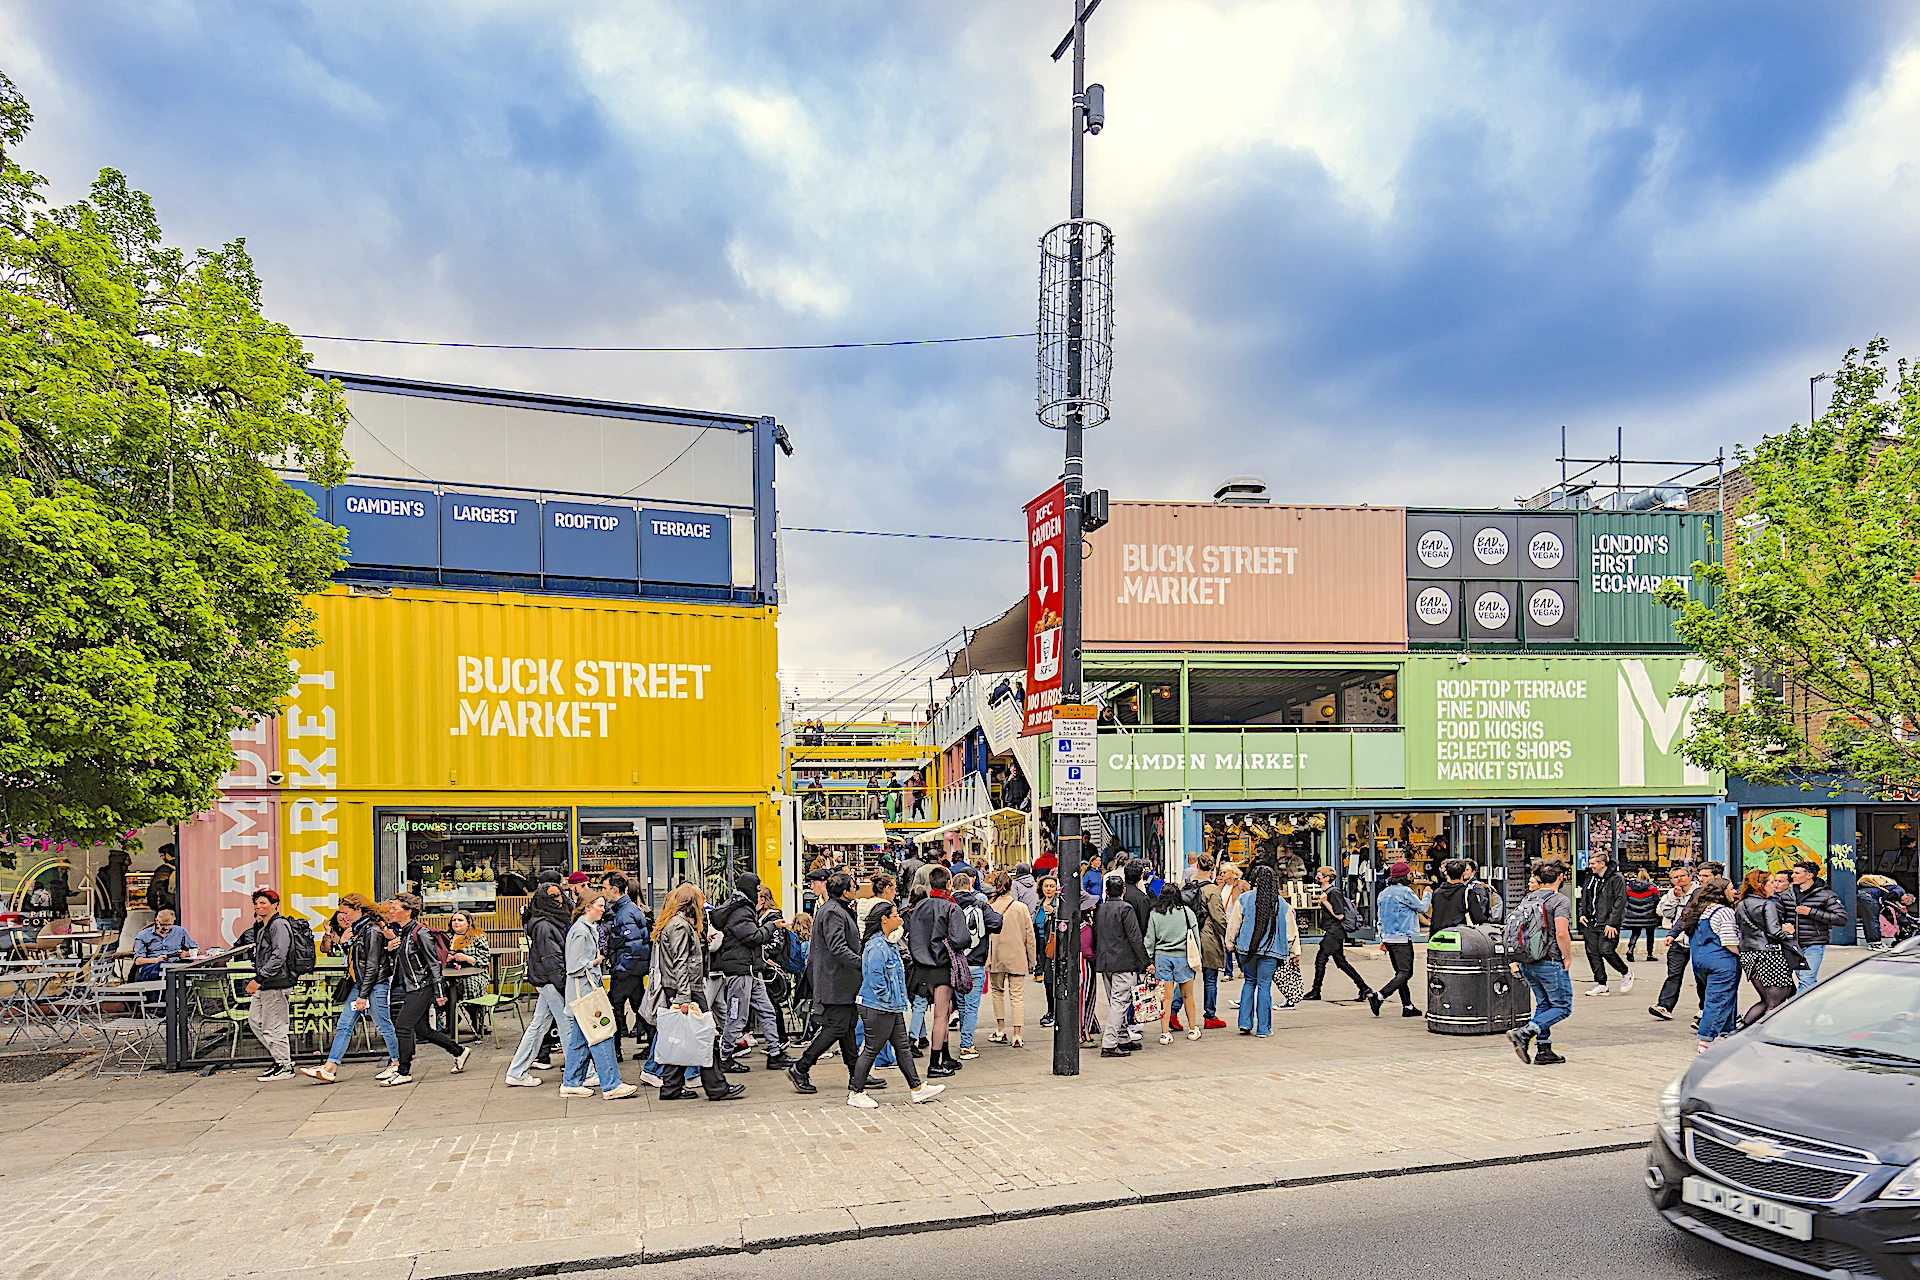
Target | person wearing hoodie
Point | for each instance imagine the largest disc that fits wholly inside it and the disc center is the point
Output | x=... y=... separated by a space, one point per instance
x=1643 y=909
x=983 y=925
x=1453 y=905
x=740 y=961
x=1026 y=888
x=546 y=923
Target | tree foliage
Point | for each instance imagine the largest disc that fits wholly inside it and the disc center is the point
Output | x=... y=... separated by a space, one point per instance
x=153 y=567
x=1821 y=589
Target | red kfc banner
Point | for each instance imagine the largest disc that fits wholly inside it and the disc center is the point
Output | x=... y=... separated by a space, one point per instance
x=1046 y=565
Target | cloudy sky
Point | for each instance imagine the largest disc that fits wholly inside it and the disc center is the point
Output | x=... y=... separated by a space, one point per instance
x=1375 y=252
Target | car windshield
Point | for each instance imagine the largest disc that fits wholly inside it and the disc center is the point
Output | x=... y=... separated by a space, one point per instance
x=1873 y=1006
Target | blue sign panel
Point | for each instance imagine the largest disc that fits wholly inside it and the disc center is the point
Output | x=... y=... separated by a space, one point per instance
x=585 y=541
x=685 y=546
x=480 y=532
x=322 y=503
x=395 y=527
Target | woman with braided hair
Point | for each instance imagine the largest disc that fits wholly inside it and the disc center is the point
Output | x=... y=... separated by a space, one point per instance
x=1266 y=926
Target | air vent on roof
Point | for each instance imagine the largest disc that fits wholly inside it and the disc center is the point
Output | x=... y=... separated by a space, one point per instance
x=1250 y=489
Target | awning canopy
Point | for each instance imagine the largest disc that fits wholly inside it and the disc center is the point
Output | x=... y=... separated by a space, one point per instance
x=1000 y=645
x=843 y=831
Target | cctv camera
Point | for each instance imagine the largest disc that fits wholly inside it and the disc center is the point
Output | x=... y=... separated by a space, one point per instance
x=1095 y=102
x=275 y=777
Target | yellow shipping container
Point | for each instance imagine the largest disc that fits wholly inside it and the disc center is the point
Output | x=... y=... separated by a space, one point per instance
x=465 y=718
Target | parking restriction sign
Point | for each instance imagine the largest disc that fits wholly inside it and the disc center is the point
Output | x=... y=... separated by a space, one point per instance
x=1076 y=762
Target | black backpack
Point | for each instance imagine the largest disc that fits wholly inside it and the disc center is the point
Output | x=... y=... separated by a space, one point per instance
x=300 y=950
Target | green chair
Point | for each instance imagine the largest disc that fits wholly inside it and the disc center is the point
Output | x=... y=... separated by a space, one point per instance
x=492 y=1000
x=215 y=1002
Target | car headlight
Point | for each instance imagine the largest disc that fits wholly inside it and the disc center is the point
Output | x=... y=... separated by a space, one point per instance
x=1670 y=1114
x=1904 y=1187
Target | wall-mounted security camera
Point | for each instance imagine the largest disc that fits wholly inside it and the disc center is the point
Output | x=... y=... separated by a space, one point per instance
x=275 y=777
x=1095 y=101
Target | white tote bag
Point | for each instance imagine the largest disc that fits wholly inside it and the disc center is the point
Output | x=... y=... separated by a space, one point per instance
x=684 y=1039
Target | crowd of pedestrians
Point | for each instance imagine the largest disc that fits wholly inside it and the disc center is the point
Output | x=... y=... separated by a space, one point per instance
x=893 y=972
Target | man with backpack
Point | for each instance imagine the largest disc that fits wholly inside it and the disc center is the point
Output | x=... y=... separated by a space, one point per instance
x=282 y=952
x=1539 y=934
x=1339 y=921
x=982 y=923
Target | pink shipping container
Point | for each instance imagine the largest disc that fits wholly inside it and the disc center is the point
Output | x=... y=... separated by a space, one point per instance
x=1171 y=575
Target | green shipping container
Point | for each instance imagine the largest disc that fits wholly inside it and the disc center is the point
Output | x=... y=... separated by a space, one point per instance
x=1624 y=558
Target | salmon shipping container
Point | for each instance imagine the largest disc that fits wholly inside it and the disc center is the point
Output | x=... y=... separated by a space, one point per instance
x=1164 y=575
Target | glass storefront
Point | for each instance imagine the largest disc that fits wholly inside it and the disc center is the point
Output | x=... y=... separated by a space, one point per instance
x=1653 y=839
x=1888 y=841
x=467 y=859
x=1297 y=837
x=667 y=850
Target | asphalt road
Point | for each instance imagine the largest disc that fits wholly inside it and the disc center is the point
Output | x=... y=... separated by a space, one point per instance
x=1585 y=1217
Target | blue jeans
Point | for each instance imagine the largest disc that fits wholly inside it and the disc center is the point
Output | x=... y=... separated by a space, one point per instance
x=917 y=1024
x=970 y=1005
x=548 y=1011
x=1811 y=974
x=1552 y=988
x=1720 y=1012
x=382 y=1012
x=605 y=1065
x=1256 y=994
x=1210 y=980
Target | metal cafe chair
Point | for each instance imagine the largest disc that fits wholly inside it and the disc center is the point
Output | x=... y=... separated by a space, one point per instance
x=490 y=1003
x=30 y=992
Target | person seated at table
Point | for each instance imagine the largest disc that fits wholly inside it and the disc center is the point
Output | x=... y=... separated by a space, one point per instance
x=468 y=946
x=164 y=939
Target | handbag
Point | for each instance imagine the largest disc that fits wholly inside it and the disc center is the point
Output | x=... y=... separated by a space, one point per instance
x=1193 y=943
x=684 y=1039
x=594 y=1012
x=959 y=972
x=1146 y=1002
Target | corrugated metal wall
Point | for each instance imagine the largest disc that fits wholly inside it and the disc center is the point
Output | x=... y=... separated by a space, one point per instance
x=430 y=690
x=1169 y=574
x=1624 y=556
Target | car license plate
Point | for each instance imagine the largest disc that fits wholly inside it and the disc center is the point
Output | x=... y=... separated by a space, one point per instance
x=1783 y=1219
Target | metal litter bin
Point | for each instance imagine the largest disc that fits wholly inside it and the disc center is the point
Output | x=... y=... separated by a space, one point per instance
x=1471 y=991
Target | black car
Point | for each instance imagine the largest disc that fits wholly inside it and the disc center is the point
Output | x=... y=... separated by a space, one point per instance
x=1798 y=1140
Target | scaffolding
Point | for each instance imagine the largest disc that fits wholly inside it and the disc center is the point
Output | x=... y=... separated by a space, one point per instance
x=1631 y=489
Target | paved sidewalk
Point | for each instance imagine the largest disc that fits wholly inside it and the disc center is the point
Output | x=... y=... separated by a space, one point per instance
x=184 y=1177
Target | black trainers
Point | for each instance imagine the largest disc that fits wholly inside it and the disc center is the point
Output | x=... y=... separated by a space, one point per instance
x=1546 y=1057
x=1408 y=1011
x=1311 y=995
x=800 y=1082
x=1522 y=1045
x=1115 y=1053
x=1373 y=1002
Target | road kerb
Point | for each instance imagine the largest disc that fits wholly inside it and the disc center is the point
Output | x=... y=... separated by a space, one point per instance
x=815 y=1227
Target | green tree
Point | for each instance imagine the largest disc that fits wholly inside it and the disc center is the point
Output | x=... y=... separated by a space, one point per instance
x=1820 y=589
x=153 y=568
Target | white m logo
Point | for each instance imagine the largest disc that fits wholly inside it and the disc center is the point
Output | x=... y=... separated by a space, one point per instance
x=1668 y=720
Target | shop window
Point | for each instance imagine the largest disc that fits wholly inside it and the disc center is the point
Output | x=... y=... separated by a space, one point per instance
x=1655 y=839
x=1298 y=839
x=468 y=859
x=1422 y=840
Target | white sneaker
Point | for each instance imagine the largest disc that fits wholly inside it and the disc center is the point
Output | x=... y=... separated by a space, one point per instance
x=575 y=1091
x=460 y=1063
x=387 y=1072
x=926 y=1093
x=523 y=1082
x=395 y=1080
x=624 y=1091
x=649 y=1079
x=862 y=1101
x=1600 y=991
x=1626 y=984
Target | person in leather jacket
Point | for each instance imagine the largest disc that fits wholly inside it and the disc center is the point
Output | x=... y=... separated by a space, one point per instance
x=418 y=988
x=368 y=976
x=1815 y=911
x=1767 y=953
x=1603 y=912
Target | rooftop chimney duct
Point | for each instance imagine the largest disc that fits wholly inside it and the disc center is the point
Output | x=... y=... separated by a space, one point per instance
x=1242 y=489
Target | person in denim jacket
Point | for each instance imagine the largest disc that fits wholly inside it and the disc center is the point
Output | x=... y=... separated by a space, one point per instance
x=1400 y=911
x=883 y=1006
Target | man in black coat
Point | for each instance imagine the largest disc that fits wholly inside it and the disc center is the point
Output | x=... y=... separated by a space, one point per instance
x=1120 y=957
x=1603 y=910
x=833 y=967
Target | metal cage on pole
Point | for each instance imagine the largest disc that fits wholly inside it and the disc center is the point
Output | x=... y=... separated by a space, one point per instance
x=1076 y=323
